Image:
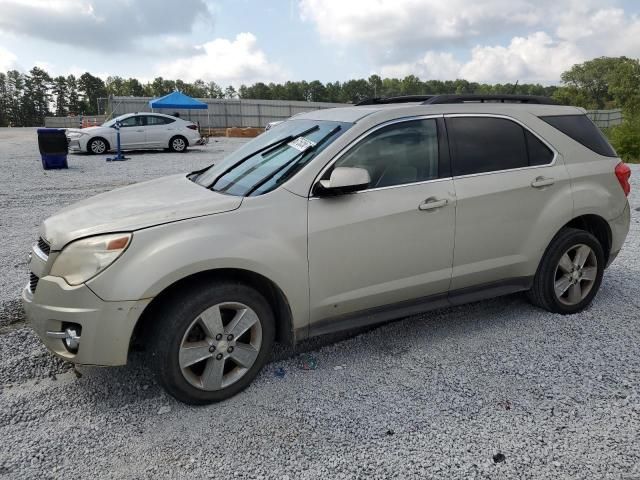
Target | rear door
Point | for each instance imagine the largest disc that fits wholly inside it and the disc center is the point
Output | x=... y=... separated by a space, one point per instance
x=393 y=241
x=158 y=130
x=513 y=193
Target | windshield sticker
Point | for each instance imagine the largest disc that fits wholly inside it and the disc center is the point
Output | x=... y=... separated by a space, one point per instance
x=301 y=144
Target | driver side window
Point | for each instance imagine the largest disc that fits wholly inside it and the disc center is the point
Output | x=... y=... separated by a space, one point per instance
x=129 y=122
x=397 y=154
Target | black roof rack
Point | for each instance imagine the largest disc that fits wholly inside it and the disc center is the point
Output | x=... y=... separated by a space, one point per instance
x=398 y=99
x=468 y=98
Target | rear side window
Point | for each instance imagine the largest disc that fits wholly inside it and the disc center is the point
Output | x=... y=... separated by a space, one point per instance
x=487 y=144
x=583 y=131
x=539 y=153
x=155 y=120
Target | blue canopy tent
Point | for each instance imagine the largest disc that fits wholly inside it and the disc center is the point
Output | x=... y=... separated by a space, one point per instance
x=179 y=101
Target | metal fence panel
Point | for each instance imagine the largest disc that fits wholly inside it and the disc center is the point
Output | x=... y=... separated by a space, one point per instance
x=606 y=118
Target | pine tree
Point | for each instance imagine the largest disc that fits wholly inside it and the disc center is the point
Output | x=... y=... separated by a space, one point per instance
x=60 y=92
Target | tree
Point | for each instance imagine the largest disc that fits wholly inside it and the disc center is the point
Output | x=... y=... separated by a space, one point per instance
x=36 y=98
x=230 y=92
x=91 y=88
x=592 y=79
x=74 y=104
x=60 y=92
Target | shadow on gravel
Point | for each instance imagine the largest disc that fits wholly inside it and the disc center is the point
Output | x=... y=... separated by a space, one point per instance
x=136 y=378
x=11 y=313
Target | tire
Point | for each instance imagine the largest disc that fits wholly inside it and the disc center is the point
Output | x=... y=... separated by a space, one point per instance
x=178 y=144
x=194 y=357
x=97 y=146
x=559 y=271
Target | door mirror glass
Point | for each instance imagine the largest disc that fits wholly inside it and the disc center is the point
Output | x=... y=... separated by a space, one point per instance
x=343 y=180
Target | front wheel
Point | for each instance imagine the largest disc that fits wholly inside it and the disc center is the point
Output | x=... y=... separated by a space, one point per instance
x=211 y=342
x=570 y=273
x=97 y=146
x=178 y=144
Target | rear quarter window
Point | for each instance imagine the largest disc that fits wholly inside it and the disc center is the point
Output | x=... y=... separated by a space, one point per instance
x=583 y=131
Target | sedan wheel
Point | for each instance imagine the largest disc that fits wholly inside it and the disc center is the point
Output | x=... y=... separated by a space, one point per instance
x=575 y=274
x=220 y=346
x=178 y=144
x=97 y=146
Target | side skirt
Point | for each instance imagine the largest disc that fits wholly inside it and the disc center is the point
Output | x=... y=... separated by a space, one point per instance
x=408 y=308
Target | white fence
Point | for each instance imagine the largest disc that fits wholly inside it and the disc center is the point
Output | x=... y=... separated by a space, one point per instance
x=605 y=118
x=247 y=113
x=225 y=113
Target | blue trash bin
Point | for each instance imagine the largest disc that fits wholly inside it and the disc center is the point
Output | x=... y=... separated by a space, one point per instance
x=54 y=147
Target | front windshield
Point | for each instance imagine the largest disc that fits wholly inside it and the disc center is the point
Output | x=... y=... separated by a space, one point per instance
x=264 y=163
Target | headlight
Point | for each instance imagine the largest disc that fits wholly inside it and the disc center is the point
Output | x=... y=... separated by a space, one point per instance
x=75 y=135
x=84 y=259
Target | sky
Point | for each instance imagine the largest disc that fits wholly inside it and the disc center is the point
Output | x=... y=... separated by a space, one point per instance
x=247 y=41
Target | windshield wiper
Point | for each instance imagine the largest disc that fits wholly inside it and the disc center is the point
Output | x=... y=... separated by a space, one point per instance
x=293 y=161
x=267 y=148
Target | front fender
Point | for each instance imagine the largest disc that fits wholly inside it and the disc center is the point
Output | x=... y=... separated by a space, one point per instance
x=256 y=238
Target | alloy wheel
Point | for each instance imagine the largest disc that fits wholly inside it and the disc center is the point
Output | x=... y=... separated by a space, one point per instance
x=220 y=346
x=98 y=146
x=575 y=274
x=178 y=144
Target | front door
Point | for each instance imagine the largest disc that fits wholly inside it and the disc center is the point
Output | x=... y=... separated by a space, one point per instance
x=392 y=242
x=132 y=133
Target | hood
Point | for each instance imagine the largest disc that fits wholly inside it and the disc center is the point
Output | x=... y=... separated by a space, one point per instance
x=88 y=130
x=134 y=207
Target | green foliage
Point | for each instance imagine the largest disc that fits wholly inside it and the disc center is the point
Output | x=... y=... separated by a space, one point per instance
x=625 y=138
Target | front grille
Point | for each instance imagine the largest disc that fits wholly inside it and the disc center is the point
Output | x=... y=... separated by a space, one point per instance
x=44 y=246
x=33 y=282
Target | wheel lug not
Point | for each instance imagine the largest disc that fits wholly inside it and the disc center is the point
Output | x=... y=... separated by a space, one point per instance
x=219 y=337
x=212 y=348
x=229 y=337
x=219 y=356
x=230 y=349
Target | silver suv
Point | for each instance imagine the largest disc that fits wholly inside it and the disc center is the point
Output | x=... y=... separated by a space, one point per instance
x=332 y=220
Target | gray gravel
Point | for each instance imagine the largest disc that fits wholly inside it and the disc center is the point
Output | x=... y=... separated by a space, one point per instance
x=495 y=389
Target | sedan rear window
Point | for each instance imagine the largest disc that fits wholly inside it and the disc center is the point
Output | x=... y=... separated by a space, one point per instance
x=583 y=131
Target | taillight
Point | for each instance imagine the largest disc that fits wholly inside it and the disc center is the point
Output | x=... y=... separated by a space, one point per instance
x=623 y=172
x=192 y=127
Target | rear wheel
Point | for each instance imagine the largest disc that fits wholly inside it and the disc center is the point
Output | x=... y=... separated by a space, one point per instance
x=211 y=342
x=97 y=146
x=178 y=144
x=570 y=273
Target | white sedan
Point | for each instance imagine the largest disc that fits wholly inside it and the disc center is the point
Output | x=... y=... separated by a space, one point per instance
x=137 y=131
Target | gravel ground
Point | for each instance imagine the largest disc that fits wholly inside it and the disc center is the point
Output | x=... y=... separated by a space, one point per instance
x=494 y=389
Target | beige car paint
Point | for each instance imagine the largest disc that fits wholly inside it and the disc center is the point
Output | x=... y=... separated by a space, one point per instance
x=328 y=256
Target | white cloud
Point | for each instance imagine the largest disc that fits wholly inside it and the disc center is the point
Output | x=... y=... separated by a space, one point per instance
x=389 y=25
x=526 y=40
x=225 y=62
x=434 y=66
x=7 y=60
x=533 y=58
x=105 y=25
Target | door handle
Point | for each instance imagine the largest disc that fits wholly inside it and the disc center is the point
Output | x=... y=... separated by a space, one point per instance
x=541 y=182
x=432 y=203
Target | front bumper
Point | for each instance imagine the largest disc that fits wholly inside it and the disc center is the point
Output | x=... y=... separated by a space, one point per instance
x=106 y=326
x=74 y=145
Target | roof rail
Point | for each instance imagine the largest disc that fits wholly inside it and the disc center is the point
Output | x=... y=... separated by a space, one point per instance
x=531 y=99
x=397 y=99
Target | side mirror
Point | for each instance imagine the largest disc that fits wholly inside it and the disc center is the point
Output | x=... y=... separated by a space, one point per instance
x=343 y=180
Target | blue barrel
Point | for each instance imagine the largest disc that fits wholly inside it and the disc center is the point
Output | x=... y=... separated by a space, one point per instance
x=54 y=147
